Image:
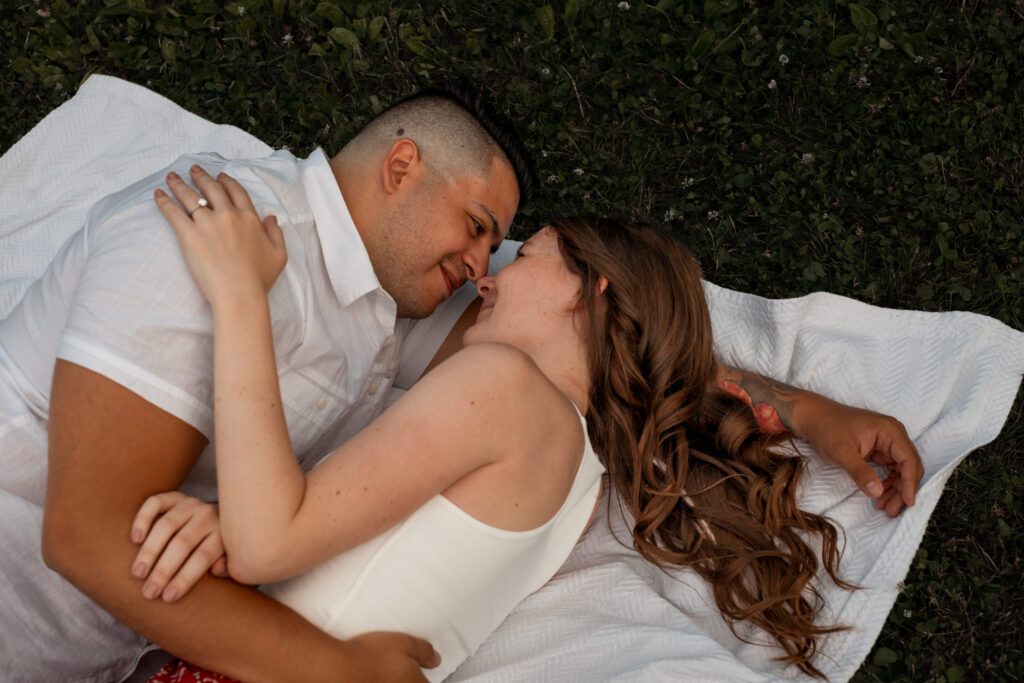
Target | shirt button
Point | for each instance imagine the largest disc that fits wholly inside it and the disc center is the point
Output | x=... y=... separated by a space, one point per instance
x=321 y=404
x=373 y=389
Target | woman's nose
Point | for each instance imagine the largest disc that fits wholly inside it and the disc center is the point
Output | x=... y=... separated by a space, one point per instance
x=484 y=285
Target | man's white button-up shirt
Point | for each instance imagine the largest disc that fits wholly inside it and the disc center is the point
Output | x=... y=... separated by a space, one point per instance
x=119 y=300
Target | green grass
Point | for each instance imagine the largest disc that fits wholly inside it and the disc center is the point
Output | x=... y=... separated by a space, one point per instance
x=872 y=150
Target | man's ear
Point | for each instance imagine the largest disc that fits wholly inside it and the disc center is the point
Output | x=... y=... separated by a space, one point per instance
x=401 y=165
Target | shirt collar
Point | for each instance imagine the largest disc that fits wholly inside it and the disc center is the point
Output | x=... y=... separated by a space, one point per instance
x=348 y=265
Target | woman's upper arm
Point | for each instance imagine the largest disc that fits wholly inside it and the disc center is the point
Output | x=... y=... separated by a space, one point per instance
x=453 y=422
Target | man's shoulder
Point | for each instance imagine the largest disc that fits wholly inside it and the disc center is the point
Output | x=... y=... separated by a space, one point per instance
x=273 y=182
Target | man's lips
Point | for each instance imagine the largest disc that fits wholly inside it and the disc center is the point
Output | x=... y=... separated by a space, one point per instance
x=450 y=282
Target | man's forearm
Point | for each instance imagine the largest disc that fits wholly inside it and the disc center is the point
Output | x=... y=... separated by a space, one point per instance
x=775 y=404
x=219 y=624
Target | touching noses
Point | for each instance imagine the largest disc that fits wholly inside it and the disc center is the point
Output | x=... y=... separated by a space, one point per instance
x=485 y=286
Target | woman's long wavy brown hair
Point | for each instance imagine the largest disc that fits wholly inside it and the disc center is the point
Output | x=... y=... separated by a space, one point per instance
x=703 y=486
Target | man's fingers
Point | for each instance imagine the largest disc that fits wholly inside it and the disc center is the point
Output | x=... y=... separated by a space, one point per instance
x=907 y=460
x=424 y=653
x=883 y=501
x=865 y=477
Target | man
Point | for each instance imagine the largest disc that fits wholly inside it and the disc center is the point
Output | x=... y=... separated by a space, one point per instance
x=108 y=358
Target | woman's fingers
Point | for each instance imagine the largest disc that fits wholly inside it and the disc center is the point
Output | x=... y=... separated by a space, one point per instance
x=153 y=507
x=186 y=538
x=189 y=196
x=213 y=190
x=239 y=197
x=194 y=567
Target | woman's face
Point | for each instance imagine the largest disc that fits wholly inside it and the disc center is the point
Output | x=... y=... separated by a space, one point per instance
x=530 y=299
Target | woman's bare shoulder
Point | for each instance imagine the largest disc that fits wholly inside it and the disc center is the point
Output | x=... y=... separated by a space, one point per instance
x=503 y=377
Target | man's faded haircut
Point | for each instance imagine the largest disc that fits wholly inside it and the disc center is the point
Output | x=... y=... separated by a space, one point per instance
x=457 y=132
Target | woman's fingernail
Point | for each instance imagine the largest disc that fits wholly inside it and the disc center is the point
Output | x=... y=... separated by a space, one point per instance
x=150 y=591
x=137 y=535
x=139 y=570
x=172 y=175
x=874 y=489
x=170 y=594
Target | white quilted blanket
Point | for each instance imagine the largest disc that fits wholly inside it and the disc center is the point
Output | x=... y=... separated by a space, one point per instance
x=951 y=377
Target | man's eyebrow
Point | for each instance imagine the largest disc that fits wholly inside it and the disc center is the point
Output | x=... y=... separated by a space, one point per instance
x=495 y=230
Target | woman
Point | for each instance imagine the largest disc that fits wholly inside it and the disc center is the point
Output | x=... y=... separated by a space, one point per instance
x=491 y=444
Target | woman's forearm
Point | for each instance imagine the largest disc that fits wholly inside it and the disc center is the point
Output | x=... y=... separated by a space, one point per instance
x=259 y=482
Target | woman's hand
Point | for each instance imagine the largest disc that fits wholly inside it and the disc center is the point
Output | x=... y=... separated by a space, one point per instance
x=229 y=251
x=180 y=539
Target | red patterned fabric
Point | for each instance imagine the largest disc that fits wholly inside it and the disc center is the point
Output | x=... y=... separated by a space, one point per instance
x=177 y=671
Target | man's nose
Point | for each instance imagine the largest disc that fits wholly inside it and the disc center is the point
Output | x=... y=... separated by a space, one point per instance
x=476 y=261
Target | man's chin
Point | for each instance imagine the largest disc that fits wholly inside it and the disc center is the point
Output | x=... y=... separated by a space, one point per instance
x=418 y=310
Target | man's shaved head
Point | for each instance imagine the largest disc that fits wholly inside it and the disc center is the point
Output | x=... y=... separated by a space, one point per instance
x=455 y=134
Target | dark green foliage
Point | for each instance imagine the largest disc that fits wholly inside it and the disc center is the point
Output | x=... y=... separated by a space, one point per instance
x=872 y=149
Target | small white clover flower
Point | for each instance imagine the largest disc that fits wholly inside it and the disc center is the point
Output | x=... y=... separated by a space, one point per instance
x=938 y=69
x=43 y=12
x=545 y=71
x=772 y=84
x=907 y=614
x=918 y=59
x=552 y=178
x=783 y=59
x=807 y=158
x=687 y=182
x=863 y=82
x=712 y=215
x=544 y=153
x=623 y=5
x=670 y=215
x=578 y=171
x=287 y=38
x=241 y=10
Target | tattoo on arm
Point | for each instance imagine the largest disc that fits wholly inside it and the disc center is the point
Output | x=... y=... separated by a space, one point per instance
x=772 y=402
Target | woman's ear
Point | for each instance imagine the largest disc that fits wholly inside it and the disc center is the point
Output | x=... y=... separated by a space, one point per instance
x=401 y=164
x=602 y=284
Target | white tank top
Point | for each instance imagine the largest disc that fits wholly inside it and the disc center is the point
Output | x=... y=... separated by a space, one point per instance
x=442 y=574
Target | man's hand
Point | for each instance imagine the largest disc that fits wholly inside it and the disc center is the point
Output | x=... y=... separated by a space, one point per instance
x=852 y=438
x=389 y=657
x=842 y=435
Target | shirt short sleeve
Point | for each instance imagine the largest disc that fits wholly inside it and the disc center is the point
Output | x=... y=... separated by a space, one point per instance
x=138 y=317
